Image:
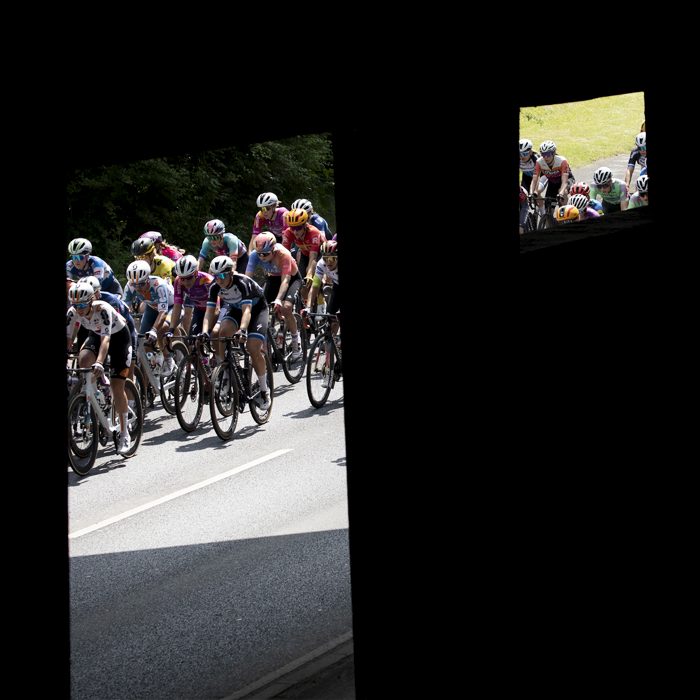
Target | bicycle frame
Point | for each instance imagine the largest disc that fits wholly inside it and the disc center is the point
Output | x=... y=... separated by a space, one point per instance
x=232 y=356
x=325 y=332
x=109 y=422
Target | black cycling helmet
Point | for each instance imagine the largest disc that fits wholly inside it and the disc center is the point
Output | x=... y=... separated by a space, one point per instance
x=142 y=246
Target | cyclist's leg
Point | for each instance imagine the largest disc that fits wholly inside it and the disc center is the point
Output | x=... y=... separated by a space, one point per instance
x=257 y=334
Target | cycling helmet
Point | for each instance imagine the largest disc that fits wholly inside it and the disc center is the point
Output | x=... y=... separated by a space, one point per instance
x=153 y=235
x=142 y=246
x=602 y=176
x=548 y=147
x=221 y=264
x=641 y=139
x=267 y=199
x=297 y=217
x=643 y=184
x=329 y=248
x=304 y=204
x=581 y=188
x=215 y=227
x=138 y=271
x=567 y=213
x=525 y=145
x=93 y=282
x=580 y=201
x=265 y=242
x=186 y=266
x=80 y=293
x=80 y=246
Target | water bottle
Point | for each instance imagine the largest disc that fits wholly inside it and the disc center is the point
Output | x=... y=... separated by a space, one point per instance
x=103 y=394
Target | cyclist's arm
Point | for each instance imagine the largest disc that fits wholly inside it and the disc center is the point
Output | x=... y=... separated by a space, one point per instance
x=246 y=312
x=535 y=178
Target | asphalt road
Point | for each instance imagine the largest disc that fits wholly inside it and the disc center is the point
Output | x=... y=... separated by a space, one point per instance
x=200 y=566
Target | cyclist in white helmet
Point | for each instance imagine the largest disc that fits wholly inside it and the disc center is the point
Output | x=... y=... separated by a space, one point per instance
x=556 y=169
x=528 y=158
x=613 y=191
x=272 y=216
x=637 y=156
x=641 y=197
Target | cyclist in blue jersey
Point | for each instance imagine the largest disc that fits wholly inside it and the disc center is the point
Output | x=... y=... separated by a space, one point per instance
x=219 y=242
x=83 y=264
x=637 y=156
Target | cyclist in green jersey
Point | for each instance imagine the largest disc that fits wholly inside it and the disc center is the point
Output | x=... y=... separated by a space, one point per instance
x=613 y=191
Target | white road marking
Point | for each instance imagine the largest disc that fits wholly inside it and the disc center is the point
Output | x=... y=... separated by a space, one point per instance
x=176 y=494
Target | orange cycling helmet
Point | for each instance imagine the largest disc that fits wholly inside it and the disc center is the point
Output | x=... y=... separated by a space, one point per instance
x=297 y=217
x=567 y=213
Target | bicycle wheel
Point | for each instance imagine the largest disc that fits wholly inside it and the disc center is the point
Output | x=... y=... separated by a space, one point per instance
x=547 y=221
x=189 y=393
x=294 y=369
x=140 y=383
x=261 y=416
x=320 y=371
x=134 y=418
x=223 y=401
x=82 y=435
x=167 y=384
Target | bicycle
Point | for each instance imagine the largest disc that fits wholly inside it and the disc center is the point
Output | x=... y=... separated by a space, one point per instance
x=234 y=385
x=91 y=420
x=279 y=346
x=192 y=382
x=548 y=219
x=325 y=362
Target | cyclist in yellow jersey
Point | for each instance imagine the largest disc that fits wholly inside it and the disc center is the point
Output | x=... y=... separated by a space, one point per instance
x=145 y=249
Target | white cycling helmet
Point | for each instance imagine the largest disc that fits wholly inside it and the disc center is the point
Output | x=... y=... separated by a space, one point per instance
x=93 y=282
x=80 y=246
x=602 y=176
x=267 y=199
x=643 y=183
x=548 y=147
x=580 y=201
x=186 y=266
x=525 y=145
x=80 y=293
x=641 y=139
x=304 y=204
x=220 y=265
x=138 y=271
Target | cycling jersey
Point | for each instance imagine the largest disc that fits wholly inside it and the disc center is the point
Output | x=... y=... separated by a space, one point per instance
x=638 y=155
x=321 y=270
x=96 y=267
x=163 y=268
x=591 y=214
x=321 y=224
x=198 y=293
x=171 y=253
x=105 y=320
x=276 y=224
x=231 y=246
x=281 y=263
x=523 y=194
x=158 y=295
x=243 y=290
x=555 y=172
x=528 y=166
x=618 y=192
x=310 y=243
x=595 y=204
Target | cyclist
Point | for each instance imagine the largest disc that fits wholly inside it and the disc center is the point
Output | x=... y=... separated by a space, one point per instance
x=327 y=268
x=638 y=155
x=84 y=264
x=584 y=189
x=163 y=248
x=191 y=285
x=158 y=296
x=144 y=248
x=567 y=214
x=527 y=166
x=314 y=219
x=556 y=168
x=641 y=197
x=108 y=336
x=308 y=239
x=271 y=215
x=580 y=201
x=613 y=190
x=524 y=209
x=245 y=313
x=221 y=243
x=283 y=283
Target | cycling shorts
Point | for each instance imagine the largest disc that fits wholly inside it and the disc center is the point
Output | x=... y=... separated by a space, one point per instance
x=272 y=287
x=259 y=317
x=120 y=350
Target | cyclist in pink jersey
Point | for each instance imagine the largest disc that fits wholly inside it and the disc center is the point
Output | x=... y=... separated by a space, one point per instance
x=271 y=215
x=193 y=285
x=556 y=169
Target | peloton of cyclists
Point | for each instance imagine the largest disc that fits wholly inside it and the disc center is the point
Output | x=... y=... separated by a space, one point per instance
x=83 y=264
x=244 y=313
x=283 y=283
x=108 y=336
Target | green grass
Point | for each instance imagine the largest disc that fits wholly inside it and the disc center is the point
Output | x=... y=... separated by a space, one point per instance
x=586 y=131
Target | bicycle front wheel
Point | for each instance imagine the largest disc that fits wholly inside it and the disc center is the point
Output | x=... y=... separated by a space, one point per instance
x=319 y=373
x=260 y=415
x=223 y=401
x=189 y=398
x=167 y=384
x=294 y=368
x=82 y=435
x=134 y=419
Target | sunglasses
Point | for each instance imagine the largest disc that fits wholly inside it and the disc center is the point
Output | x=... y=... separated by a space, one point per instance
x=547 y=154
x=222 y=275
x=142 y=257
x=140 y=284
x=330 y=258
x=81 y=306
x=79 y=257
x=214 y=236
x=266 y=208
x=527 y=153
x=189 y=277
x=264 y=255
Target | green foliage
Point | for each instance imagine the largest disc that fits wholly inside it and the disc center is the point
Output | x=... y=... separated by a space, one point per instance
x=113 y=205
